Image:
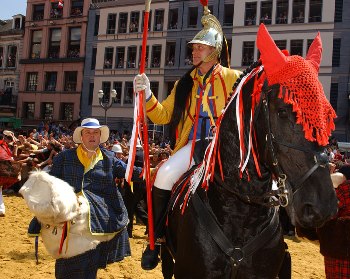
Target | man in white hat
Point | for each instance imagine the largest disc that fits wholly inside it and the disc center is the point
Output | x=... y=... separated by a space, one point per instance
x=92 y=171
x=118 y=151
x=206 y=86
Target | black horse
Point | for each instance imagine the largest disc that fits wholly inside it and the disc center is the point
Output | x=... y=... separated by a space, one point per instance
x=231 y=229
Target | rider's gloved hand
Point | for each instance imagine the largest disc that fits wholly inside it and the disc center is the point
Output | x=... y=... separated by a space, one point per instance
x=141 y=82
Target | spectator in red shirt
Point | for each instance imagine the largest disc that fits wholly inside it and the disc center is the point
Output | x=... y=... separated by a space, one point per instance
x=338 y=156
x=334 y=236
x=5 y=155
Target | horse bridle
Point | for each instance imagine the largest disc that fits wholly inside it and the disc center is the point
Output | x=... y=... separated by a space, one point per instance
x=285 y=186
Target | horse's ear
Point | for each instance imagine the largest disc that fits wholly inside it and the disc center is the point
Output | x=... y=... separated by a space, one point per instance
x=314 y=55
x=272 y=57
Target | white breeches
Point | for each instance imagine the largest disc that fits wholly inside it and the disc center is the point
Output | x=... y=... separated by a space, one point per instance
x=174 y=167
x=2 y=205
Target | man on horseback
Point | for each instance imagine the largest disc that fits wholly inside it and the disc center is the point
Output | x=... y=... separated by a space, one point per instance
x=196 y=100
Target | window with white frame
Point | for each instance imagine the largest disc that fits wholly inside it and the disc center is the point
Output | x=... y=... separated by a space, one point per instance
x=47 y=111
x=70 y=81
x=315 y=11
x=173 y=18
x=77 y=8
x=120 y=57
x=266 y=12
x=298 y=11
x=36 y=44
x=248 y=53
x=296 y=47
x=106 y=88
x=131 y=61
x=54 y=43
x=28 y=110
x=111 y=23
x=50 y=81
x=11 y=56
x=38 y=12
x=128 y=94
x=108 y=59
x=134 y=22
x=123 y=20
x=282 y=12
x=250 y=13
x=158 y=20
x=74 y=42
x=32 y=81
x=281 y=44
x=117 y=86
x=156 y=54
x=67 y=110
x=170 y=54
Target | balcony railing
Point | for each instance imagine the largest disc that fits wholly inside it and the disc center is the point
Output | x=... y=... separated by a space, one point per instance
x=8 y=100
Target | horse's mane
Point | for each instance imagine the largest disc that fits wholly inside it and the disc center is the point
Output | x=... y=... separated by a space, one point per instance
x=243 y=74
x=227 y=139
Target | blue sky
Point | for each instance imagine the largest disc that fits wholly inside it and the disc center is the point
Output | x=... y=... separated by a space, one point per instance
x=12 y=7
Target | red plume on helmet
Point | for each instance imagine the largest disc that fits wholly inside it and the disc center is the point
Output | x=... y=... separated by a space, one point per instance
x=314 y=55
x=204 y=2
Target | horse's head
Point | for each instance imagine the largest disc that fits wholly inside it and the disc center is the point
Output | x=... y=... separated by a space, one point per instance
x=51 y=199
x=297 y=120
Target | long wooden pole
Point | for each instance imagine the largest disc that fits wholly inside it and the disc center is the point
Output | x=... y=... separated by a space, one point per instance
x=147 y=166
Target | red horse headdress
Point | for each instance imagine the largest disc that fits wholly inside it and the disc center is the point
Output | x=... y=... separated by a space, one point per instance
x=299 y=85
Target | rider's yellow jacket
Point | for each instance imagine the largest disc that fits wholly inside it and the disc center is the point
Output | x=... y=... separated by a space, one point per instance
x=221 y=80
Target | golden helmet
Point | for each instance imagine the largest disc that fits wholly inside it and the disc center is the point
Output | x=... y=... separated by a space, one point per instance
x=210 y=35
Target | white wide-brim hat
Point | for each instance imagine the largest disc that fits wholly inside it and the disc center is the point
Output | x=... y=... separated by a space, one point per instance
x=91 y=123
x=117 y=148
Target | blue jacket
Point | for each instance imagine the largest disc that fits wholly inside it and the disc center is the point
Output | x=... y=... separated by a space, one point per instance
x=107 y=210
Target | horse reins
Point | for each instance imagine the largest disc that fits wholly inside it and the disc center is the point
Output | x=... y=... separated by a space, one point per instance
x=236 y=253
x=320 y=158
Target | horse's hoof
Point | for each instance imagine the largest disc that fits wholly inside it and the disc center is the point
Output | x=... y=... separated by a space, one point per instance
x=2 y=214
x=150 y=258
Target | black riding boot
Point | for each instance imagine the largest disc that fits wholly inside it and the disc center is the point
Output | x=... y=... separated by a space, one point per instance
x=160 y=200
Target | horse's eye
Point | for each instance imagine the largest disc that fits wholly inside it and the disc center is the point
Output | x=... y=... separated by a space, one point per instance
x=282 y=113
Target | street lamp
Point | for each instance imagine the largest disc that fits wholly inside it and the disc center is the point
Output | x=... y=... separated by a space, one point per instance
x=106 y=105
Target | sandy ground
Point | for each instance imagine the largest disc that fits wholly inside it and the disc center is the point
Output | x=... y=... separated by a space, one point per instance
x=17 y=259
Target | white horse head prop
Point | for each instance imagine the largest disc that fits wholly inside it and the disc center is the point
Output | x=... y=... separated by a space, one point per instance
x=51 y=199
x=54 y=202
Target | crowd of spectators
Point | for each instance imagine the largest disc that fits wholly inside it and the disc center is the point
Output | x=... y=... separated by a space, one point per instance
x=337 y=157
x=36 y=148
